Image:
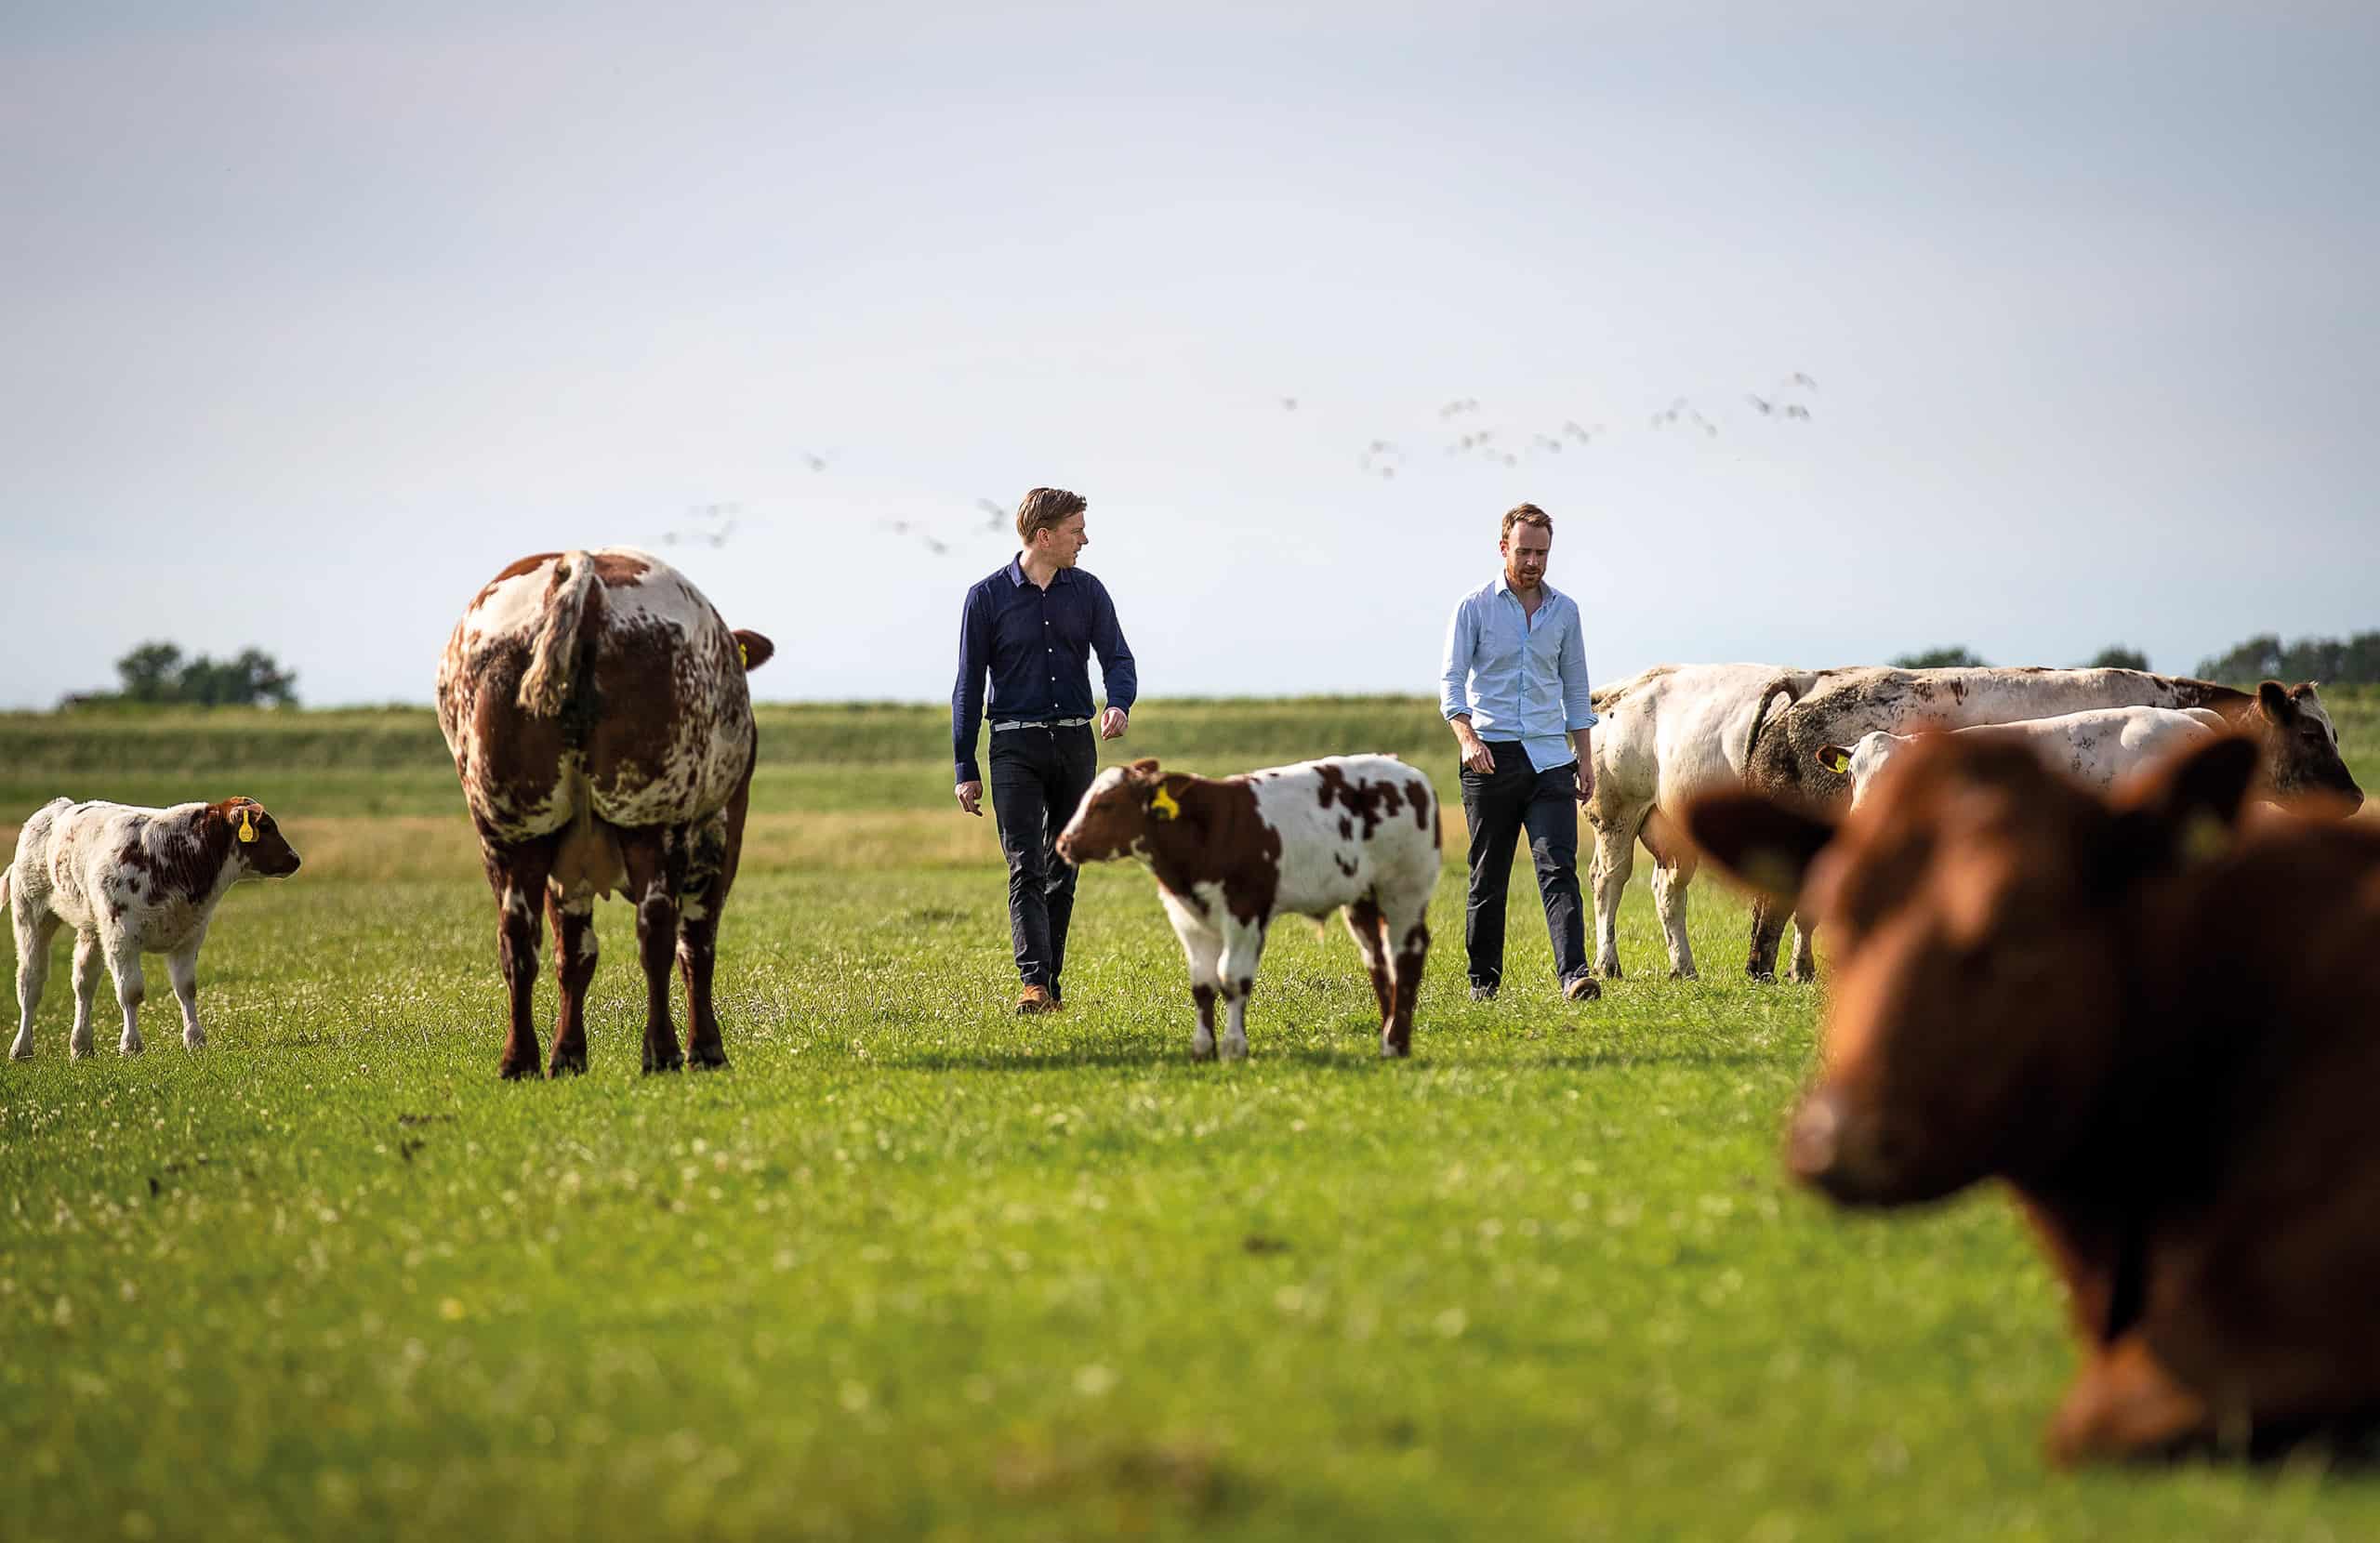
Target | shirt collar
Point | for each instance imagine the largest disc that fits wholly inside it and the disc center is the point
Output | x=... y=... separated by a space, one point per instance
x=1504 y=586
x=1015 y=572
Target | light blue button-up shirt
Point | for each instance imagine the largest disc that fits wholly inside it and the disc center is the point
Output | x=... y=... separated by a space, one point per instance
x=1518 y=677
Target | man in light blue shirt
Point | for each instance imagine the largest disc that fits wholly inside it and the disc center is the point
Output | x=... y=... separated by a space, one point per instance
x=1514 y=688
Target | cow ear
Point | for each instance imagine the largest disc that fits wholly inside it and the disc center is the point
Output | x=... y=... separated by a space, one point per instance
x=756 y=651
x=2189 y=811
x=2274 y=703
x=1835 y=758
x=1145 y=766
x=1763 y=843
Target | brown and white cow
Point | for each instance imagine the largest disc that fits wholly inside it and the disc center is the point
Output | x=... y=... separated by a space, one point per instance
x=1358 y=831
x=2161 y=1032
x=129 y=881
x=596 y=708
x=2301 y=756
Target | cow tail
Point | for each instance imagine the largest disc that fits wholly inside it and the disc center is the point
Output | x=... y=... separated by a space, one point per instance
x=1791 y=688
x=7 y=874
x=545 y=683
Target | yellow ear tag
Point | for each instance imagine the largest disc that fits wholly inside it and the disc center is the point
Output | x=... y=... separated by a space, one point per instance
x=247 y=825
x=1162 y=805
x=743 y=654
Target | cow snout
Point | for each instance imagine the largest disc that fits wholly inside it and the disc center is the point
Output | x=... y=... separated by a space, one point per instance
x=1848 y=1156
x=1815 y=1140
x=1067 y=850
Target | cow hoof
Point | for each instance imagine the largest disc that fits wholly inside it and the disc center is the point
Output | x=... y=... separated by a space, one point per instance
x=674 y=1061
x=513 y=1071
x=1685 y=975
x=709 y=1057
x=1390 y=1050
x=1764 y=977
x=1233 y=1052
x=1804 y=977
x=568 y=1066
x=194 y=1041
x=1202 y=1053
x=21 y=1053
x=1608 y=971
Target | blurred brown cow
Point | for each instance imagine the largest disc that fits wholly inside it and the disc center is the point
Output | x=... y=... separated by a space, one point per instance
x=2161 y=1030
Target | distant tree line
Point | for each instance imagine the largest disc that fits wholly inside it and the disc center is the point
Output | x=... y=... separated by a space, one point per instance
x=2337 y=661
x=156 y=673
x=2334 y=661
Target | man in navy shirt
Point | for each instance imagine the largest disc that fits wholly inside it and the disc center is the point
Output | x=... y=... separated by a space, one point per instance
x=1032 y=626
x=1514 y=687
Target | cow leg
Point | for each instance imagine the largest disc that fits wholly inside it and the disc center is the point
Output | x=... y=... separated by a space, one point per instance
x=2125 y=1404
x=1671 y=877
x=517 y=871
x=181 y=967
x=575 y=951
x=1615 y=858
x=1412 y=950
x=1243 y=947
x=1767 y=928
x=650 y=886
x=1364 y=921
x=1806 y=964
x=32 y=973
x=698 y=936
x=90 y=968
x=697 y=956
x=1203 y=949
x=131 y=989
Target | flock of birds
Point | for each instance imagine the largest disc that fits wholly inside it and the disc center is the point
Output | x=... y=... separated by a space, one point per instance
x=1459 y=420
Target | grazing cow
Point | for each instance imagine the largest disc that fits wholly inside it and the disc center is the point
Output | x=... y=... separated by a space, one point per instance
x=2097 y=748
x=2300 y=744
x=596 y=708
x=1668 y=737
x=2162 y=1033
x=1229 y=855
x=129 y=881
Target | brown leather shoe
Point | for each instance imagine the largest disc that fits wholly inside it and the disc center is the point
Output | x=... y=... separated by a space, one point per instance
x=1033 y=1001
x=1582 y=988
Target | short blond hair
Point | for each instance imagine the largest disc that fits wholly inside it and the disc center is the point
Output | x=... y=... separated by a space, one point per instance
x=1526 y=514
x=1046 y=509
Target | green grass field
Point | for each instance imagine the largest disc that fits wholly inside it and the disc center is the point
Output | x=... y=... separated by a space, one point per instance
x=914 y=1266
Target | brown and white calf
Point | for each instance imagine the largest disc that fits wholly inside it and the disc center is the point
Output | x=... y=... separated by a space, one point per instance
x=129 y=881
x=1358 y=831
x=2300 y=758
x=2161 y=1031
x=596 y=708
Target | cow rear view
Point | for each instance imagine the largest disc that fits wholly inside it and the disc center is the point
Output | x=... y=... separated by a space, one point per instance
x=597 y=711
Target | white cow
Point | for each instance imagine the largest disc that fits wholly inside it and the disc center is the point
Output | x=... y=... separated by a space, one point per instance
x=1672 y=734
x=2097 y=748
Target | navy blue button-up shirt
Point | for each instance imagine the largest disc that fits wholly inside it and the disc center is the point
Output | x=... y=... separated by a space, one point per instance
x=1036 y=644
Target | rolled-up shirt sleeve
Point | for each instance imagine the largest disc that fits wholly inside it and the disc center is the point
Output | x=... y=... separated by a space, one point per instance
x=1454 y=670
x=1578 y=696
x=967 y=696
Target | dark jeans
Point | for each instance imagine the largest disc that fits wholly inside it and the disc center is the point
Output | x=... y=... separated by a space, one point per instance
x=1039 y=775
x=1498 y=806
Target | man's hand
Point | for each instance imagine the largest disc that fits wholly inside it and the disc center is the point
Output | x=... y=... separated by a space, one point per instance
x=1586 y=784
x=1476 y=756
x=970 y=798
x=1111 y=723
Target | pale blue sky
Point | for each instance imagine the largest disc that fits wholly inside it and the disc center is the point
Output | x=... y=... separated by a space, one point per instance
x=317 y=316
